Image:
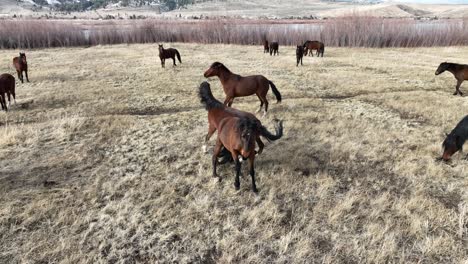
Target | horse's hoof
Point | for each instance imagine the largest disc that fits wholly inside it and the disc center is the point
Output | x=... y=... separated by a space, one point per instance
x=237 y=187
x=455 y=93
x=255 y=190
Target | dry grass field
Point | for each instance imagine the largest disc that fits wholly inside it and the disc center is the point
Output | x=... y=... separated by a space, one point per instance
x=101 y=160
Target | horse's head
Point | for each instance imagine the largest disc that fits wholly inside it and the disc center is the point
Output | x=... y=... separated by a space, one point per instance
x=160 y=47
x=442 y=67
x=247 y=129
x=451 y=145
x=299 y=49
x=214 y=69
x=22 y=57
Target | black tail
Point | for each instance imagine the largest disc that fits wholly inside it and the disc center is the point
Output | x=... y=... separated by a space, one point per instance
x=323 y=50
x=178 y=55
x=279 y=132
x=275 y=91
x=207 y=98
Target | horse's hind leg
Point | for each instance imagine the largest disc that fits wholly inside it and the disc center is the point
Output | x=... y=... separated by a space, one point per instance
x=252 y=172
x=457 y=91
x=260 y=145
x=9 y=99
x=266 y=106
x=173 y=59
x=261 y=103
x=211 y=130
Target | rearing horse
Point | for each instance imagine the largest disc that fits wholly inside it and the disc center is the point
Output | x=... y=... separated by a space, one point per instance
x=21 y=65
x=235 y=85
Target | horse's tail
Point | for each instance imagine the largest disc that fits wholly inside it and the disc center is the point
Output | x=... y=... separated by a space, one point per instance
x=322 y=50
x=178 y=55
x=270 y=137
x=207 y=98
x=275 y=91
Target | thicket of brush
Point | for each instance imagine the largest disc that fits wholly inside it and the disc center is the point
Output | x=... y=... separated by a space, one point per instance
x=352 y=31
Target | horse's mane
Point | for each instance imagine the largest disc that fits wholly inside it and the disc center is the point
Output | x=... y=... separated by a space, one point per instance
x=207 y=98
x=219 y=65
x=246 y=123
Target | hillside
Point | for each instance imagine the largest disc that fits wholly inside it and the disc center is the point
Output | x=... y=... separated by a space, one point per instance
x=229 y=8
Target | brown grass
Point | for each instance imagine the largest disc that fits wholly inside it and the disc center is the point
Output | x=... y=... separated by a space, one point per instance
x=101 y=160
x=348 y=31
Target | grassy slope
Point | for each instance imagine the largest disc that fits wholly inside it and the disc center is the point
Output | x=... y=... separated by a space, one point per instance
x=353 y=180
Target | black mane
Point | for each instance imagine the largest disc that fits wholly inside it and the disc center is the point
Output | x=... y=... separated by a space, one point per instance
x=207 y=98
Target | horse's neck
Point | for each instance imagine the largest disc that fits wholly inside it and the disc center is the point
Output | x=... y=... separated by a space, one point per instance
x=225 y=75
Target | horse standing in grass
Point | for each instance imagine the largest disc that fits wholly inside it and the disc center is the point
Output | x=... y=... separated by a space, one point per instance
x=455 y=140
x=168 y=54
x=235 y=85
x=7 y=85
x=21 y=65
x=460 y=71
x=299 y=54
x=310 y=45
x=266 y=47
x=274 y=48
x=237 y=132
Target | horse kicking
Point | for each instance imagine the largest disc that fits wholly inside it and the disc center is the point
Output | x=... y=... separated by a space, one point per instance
x=168 y=54
x=235 y=85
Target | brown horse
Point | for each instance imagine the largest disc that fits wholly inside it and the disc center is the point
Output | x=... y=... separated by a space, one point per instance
x=7 y=86
x=310 y=45
x=460 y=71
x=218 y=111
x=274 y=46
x=299 y=54
x=168 y=54
x=266 y=47
x=21 y=65
x=235 y=85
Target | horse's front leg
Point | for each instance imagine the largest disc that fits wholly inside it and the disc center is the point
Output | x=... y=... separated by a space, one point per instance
x=214 y=158
x=20 y=76
x=235 y=156
x=26 y=73
x=252 y=172
x=260 y=145
x=162 y=63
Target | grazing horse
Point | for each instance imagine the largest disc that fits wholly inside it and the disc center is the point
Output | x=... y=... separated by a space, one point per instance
x=310 y=45
x=299 y=54
x=168 y=54
x=235 y=85
x=460 y=71
x=7 y=86
x=21 y=65
x=266 y=47
x=274 y=46
x=455 y=140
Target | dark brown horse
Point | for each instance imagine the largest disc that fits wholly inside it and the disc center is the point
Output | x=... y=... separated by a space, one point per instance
x=7 y=86
x=237 y=132
x=266 y=47
x=21 y=65
x=299 y=54
x=455 y=140
x=460 y=71
x=310 y=45
x=235 y=85
x=274 y=48
x=218 y=111
x=168 y=54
